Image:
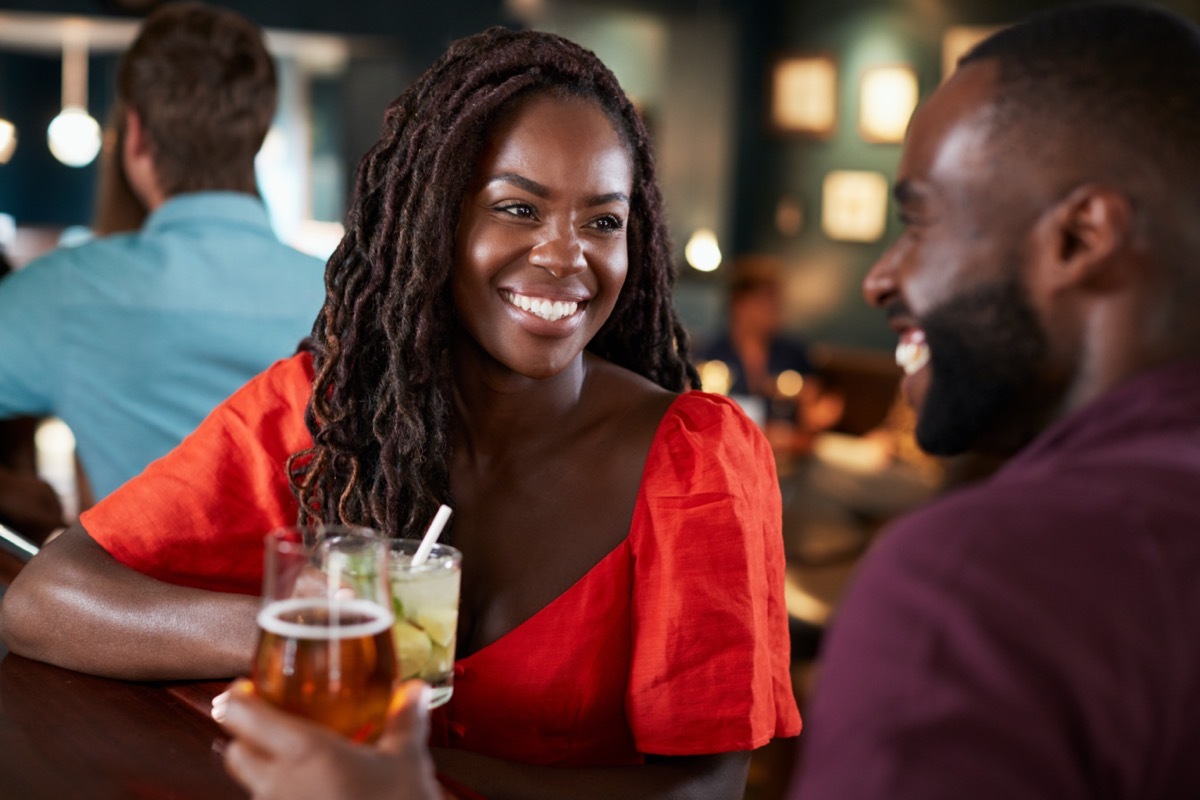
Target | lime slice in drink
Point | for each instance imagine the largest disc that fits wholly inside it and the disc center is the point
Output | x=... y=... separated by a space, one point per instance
x=439 y=623
x=413 y=648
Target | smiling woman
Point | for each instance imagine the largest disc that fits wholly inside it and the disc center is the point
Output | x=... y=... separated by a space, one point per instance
x=498 y=334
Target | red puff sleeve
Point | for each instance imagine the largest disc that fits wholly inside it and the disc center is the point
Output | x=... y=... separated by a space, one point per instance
x=710 y=666
x=197 y=516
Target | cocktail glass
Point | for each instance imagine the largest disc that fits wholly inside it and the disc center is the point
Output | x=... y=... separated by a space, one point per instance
x=425 y=605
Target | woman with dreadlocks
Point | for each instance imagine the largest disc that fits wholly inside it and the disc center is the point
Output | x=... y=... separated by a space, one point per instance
x=498 y=334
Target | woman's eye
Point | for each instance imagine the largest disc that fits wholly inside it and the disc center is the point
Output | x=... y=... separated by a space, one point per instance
x=522 y=210
x=609 y=223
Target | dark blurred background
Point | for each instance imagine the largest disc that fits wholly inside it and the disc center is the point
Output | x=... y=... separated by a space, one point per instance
x=759 y=111
x=701 y=70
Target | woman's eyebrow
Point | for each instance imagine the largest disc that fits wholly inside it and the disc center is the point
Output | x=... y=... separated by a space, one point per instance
x=537 y=189
x=521 y=182
x=610 y=197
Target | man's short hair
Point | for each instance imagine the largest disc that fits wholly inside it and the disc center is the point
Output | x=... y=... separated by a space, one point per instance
x=203 y=86
x=1110 y=92
x=1120 y=81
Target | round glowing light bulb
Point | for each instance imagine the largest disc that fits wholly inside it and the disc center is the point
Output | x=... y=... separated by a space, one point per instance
x=789 y=383
x=8 y=140
x=74 y=137
x=715 y=376
x=702 y=250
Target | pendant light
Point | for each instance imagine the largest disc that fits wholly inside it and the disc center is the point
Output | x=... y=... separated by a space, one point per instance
x=74 y=136
x=8 y=135
x=703 y=251
x=8 y=140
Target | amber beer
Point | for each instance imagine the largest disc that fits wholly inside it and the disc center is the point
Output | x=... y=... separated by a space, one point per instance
x=332 y=661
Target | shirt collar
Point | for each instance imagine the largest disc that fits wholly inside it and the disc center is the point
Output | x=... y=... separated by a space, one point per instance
x=229 y=207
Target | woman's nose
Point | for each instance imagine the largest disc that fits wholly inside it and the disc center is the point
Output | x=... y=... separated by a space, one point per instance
x=560 y=254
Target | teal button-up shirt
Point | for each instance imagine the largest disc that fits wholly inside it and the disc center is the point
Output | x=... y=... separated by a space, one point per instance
x=132 y=339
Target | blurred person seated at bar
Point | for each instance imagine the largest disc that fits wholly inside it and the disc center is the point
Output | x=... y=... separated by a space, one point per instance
x=498 y=334
x=1034 y=635
x=769 y=373
x=28 y=505
x=132 y=339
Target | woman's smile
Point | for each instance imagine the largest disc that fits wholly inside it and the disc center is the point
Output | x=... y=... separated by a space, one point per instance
x=546 y=308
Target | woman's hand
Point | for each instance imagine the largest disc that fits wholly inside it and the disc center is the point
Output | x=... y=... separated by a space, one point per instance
x=278 y=755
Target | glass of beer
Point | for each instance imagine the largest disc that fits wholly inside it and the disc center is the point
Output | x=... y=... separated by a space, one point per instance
x=425 y=602
x=325 y=647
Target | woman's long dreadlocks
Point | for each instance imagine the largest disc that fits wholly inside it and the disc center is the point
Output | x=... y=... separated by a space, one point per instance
x=380 y=408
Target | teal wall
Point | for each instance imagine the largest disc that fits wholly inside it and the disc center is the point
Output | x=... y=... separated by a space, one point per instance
x=824 y=299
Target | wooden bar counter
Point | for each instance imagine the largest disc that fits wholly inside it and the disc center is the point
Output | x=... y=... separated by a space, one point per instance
x=67 y=735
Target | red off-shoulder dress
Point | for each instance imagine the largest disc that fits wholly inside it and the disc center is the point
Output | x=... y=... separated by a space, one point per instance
x=675 y=643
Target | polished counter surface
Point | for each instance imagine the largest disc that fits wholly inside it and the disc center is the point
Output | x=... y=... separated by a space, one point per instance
x=64 y=734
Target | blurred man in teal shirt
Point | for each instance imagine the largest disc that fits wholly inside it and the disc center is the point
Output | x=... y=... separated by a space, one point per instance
x=132 y=339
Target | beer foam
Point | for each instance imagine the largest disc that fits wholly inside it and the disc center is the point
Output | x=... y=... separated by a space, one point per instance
x=379 y=619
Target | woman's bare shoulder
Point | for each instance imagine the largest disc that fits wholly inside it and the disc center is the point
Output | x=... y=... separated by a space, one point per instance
x=617 y=391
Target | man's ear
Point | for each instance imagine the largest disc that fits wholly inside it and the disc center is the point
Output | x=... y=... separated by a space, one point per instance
x=1079 y=236
x=137 y=160
x=134 y=141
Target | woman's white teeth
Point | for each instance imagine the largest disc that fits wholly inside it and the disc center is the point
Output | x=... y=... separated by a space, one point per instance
x=912 y=355
x=549 y=310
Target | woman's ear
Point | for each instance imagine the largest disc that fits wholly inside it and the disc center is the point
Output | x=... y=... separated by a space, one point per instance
x=1080 y=235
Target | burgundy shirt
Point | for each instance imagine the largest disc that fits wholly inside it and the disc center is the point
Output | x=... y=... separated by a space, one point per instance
x=1036 y=636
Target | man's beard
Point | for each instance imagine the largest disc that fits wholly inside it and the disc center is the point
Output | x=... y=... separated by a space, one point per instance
x=986 y=348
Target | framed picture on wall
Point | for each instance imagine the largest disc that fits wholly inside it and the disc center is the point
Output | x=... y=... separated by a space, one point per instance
x=887 y=96
x=854 y=205
x=804 y=95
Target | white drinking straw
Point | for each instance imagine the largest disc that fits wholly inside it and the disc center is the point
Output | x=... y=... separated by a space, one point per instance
x=431 y=535
x=21 y=544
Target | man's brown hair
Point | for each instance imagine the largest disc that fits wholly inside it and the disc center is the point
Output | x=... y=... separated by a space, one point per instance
x=203 y=85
